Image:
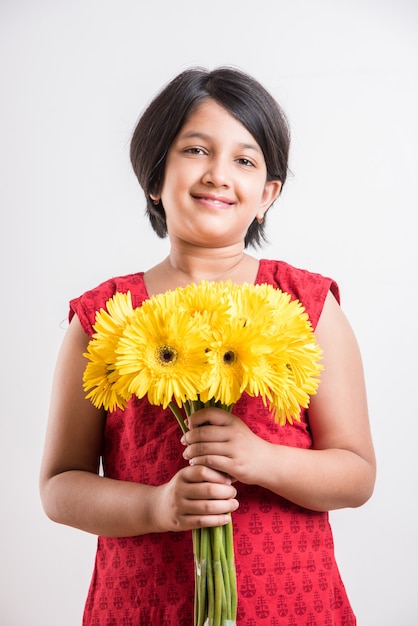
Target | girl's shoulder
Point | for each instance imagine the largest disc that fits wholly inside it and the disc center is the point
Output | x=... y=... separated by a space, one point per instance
x=310 y=288
x=87 y=304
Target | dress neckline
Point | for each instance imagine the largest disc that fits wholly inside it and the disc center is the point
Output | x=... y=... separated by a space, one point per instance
x=256 y=281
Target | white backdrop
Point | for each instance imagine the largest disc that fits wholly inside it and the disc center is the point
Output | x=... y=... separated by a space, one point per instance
x=74 y=78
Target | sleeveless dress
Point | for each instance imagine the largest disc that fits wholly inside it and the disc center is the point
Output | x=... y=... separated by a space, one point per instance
x=286 y=569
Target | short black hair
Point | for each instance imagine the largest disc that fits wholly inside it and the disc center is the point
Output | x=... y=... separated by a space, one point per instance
x=237 y=92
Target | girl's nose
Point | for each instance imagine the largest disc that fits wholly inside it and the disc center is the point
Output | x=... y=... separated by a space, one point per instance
x=216 y=173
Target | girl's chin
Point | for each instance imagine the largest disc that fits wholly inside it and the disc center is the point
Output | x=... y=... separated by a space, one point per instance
x=212 y=239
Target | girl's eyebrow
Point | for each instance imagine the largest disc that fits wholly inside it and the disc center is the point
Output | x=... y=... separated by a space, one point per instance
x=197 y=135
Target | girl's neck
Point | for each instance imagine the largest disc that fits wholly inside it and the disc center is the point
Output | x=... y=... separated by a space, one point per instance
x=182 y=268
x=205 y=264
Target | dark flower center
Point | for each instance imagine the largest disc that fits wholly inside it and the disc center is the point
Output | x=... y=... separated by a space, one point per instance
x=229 y=357
x=167 y=355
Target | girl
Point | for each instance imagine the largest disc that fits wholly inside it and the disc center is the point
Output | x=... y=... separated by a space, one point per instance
x=210 y=153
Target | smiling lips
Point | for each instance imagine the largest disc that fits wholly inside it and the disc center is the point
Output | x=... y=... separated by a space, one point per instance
x=216 y=201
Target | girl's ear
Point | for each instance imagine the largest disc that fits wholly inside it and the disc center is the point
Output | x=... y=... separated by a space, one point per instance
x=271 y=192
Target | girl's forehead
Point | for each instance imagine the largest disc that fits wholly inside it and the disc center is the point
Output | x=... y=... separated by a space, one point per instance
x=210 y=117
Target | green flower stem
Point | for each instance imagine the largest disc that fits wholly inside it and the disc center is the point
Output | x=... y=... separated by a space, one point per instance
x=203 y=593
x=232 y=575
x=210 y=581
x=225 y=575
x=179 y=417
x=200 y=536
x=217 y=576
x=197 y=573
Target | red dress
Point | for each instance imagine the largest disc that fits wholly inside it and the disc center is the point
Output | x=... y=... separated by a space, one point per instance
x=286 y=569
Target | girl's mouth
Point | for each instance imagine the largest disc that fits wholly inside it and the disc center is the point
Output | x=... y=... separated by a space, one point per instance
x=214 y=200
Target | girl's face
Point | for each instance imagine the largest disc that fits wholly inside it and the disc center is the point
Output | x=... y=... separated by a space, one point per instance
x=215 y=180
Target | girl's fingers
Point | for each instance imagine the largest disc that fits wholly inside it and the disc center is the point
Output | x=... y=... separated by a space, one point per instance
x=210 y=415
x=204 y=497
x=209 y=492
x=203 y=474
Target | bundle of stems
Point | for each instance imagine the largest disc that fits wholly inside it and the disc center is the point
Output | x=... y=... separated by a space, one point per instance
x=215 y=602
x=215 y=578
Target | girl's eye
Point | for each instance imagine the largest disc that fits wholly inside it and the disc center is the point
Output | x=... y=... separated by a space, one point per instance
x=245 y=162
x=195 y=150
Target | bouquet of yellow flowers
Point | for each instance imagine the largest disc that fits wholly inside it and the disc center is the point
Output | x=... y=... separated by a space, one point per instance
x=206 y=344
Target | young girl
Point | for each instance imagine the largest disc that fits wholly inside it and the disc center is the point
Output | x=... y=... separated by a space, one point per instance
x=210 y=153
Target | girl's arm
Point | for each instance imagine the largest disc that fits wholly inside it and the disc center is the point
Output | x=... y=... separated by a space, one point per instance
x=340 y=469
x=72 y=491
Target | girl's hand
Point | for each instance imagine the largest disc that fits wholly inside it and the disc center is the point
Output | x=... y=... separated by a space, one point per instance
x=222 y=441
x=196 y=497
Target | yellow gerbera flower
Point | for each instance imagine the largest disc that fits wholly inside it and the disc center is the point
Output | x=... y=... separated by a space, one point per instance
x=236 y=359
x=295 y=355
x=206 y=302
x=100 y=378
x=100 y=375
x=271 y=351
x=240 y=345
x=162 y=353
x=118 y=311
x=205 y=297
x=250 y=305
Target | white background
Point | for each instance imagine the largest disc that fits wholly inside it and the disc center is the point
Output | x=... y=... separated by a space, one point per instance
x=74 y=77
